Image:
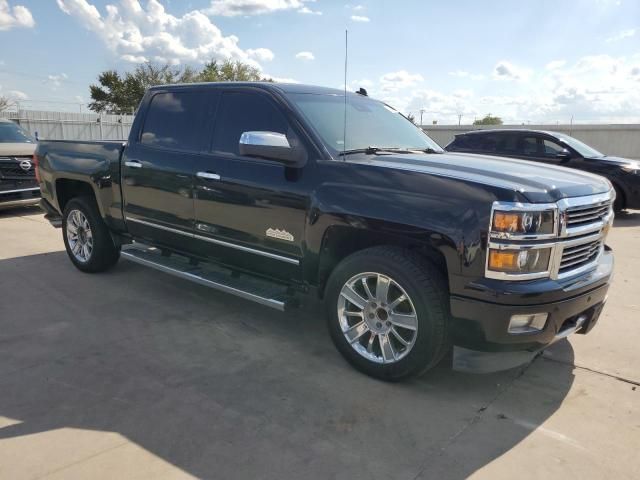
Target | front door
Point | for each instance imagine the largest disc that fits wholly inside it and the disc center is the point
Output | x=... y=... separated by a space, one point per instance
x=158 y=167
x=250 y=212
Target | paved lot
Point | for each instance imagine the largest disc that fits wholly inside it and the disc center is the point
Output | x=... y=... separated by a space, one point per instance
x=135 y=374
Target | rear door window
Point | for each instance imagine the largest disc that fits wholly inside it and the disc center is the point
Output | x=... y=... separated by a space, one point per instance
x=529 y=146
x=241 y=112
x=177 y=121
x=508 y=144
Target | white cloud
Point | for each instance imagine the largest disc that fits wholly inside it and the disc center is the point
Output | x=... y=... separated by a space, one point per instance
x=234 y=8
x=56 y=80
x=394 y=81
x=507 y=71
x=621 y=35
x=308 y=11
x=305 y=56
x=360 y=18
x=14 y=17
x=17 y=95
x=555 y=64
x=261 y=54
x=281 y=79
x=137 y=33
x=358 y=8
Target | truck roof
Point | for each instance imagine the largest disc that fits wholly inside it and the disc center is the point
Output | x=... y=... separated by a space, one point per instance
x=505 y=130
x=282 y=87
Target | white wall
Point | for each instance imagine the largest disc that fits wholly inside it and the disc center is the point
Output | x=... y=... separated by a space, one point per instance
x=618 y=140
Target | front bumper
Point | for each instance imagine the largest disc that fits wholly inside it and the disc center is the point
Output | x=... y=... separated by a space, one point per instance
x=18 y=197
x=481 y=339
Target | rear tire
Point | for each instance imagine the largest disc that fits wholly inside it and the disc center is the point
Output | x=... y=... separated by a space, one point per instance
x=86 y=237
x=379 y=277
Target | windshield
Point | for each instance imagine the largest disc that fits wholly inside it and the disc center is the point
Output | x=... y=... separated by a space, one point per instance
x=12 y=133
x=370 y=123
x=583 y=149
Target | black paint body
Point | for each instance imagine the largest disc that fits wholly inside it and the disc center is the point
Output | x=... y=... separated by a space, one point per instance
x=436 y=204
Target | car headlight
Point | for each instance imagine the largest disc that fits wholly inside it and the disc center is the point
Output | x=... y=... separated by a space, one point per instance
x=518 y=261
x=633 y=167
x=523 y=223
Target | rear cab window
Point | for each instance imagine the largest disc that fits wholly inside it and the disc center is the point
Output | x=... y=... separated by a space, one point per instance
x=177 y=120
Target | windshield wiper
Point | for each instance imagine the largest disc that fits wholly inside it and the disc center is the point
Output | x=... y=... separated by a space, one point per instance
x=426 y=150
x=375 y=150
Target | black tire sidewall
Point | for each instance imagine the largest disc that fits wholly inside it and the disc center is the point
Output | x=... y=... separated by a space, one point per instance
x=428 y=301
x=104 y=253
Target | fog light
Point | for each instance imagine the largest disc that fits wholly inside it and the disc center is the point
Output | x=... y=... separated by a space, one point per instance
x=534 y=322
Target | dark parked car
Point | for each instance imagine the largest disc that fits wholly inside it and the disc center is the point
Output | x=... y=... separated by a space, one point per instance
x=18 y=184
x=253 y=189
x=556 y=149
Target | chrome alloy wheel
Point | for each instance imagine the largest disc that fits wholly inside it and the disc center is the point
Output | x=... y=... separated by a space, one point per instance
x=377 y=317
x=79 y=236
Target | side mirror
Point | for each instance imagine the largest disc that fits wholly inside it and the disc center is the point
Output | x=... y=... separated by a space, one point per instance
x=563 y=154
x=273 y=146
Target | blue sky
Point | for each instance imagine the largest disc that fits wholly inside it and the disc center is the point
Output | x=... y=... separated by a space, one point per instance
x=542 y=61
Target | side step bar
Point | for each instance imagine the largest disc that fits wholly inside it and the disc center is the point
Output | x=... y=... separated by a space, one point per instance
x=261 y=291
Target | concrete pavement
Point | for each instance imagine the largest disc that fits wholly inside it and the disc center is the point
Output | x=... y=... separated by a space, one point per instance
x=135 y=374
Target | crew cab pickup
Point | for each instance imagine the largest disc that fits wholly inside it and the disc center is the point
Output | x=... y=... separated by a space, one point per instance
x=261 y=191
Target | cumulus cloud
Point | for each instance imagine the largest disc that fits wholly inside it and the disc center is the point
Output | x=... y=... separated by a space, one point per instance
x=394 y=81
x=261 y=54
x=555 y=64
x=621 y=35
x=137 y=34
x=360 y=18
x=234 y=8
x=465 y=74
x=308 y=11
x=14 y=17
x=505 y=70
x=305 y=56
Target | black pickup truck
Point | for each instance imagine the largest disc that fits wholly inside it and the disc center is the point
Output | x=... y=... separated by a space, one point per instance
x=260 y=191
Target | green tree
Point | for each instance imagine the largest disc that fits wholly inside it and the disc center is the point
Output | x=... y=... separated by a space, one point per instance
x=411 y=118
x=121 y=93
x=488 y=120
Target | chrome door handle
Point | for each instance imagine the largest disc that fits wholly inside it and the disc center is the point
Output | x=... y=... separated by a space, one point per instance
x=133 y=164
x=208 y=175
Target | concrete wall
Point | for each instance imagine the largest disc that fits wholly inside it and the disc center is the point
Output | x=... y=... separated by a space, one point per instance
x=619 y=140
x=72 y=126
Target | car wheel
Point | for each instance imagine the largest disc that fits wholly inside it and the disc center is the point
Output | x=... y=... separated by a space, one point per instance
x=86 y=237
x=387 y=312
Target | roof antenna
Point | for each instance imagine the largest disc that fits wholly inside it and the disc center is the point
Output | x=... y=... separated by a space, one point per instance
x=344 y=133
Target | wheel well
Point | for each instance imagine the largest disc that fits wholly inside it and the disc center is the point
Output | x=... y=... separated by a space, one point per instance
x=340 y=242
x=67 y=189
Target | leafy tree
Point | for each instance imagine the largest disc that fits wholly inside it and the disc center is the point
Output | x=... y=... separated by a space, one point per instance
x=5 y=103
x=488 y=120
x=411 y=118
x=121 y=93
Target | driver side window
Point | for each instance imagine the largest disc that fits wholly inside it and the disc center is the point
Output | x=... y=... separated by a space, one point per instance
x=241 y=112
x=551 y=148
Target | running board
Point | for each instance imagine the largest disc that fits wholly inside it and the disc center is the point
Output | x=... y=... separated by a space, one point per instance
x=261 y=291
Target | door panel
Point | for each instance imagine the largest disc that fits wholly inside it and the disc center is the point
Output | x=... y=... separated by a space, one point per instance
x=158 y=167
x=256 y=206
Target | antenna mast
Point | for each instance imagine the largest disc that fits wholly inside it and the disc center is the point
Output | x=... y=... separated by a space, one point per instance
x=344 y=133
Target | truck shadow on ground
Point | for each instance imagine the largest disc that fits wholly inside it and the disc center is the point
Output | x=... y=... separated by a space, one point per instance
x=627 y=218
x=20 y=211
x=223 y=388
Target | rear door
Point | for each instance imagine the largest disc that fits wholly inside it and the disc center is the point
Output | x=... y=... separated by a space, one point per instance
x=158 y=166
x=250 y=212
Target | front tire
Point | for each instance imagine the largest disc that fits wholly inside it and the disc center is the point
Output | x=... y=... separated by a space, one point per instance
x=387 y=312
x=86 y=237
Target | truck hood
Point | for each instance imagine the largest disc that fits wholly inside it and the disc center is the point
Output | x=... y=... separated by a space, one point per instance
x=617 y=161
x=536 y=182
x=16 y=149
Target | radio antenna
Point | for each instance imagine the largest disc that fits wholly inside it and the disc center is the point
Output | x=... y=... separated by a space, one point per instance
x=344 y=133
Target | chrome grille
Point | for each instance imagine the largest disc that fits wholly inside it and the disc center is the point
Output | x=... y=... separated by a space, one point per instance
x=587 y=214
x=576 y=256
x=10 y=168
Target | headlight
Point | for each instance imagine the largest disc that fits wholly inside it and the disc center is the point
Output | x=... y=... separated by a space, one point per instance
x=633 y=168
x=532 y=260
x=516 y=223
